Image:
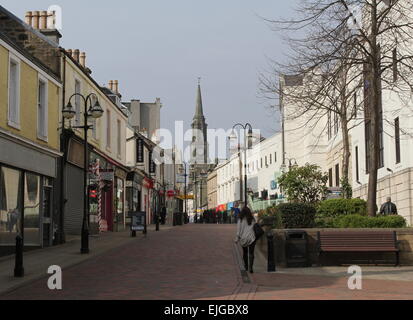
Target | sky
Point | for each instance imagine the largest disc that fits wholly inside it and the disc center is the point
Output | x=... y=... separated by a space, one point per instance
x=159 y=48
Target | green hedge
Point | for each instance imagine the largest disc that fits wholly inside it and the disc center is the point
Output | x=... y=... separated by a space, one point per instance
x=297 y=215
x=358 y=221
x=339 y=207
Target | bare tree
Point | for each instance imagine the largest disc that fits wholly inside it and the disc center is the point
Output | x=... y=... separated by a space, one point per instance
x=353 y=42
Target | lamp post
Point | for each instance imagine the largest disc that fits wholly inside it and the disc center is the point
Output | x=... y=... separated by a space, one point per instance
x=90 y=111
x=247 y=146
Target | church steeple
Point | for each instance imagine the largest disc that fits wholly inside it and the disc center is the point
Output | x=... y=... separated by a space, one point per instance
x=199 y=111
x=199 y=145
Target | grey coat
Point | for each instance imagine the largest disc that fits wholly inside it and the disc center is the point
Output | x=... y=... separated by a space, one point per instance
x=245 y=233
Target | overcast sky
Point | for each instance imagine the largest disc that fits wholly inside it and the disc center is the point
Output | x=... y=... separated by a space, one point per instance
x=159 y=49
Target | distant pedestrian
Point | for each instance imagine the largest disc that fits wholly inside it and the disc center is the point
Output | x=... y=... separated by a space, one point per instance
x=246 y=237
x=388 y=208
x=163 y=215
x=237 y=212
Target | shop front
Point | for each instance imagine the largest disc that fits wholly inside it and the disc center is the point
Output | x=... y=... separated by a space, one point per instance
x=27 y=182
x=107 y=186
x=146 y=206
x=133 y=197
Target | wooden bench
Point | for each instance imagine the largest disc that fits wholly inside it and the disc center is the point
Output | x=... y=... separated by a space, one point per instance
x=358 y=242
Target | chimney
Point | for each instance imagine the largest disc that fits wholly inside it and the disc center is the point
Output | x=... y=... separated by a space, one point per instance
x=43 y=20
x=69 y=52
x=51 y=20
x=111 y=85
x=75 y=55
x=116 y=86
x=28 y=18
x=83 y=59
x=35 y=19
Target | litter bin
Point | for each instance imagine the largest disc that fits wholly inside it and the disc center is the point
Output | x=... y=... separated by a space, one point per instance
x=296 y=249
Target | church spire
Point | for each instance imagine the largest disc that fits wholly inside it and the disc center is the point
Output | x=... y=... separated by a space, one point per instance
x=199 y=111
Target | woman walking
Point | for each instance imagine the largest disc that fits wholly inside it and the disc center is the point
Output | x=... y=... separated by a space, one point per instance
x=246 y=237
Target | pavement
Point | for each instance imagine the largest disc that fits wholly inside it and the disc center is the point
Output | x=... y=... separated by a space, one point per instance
x=192 y=262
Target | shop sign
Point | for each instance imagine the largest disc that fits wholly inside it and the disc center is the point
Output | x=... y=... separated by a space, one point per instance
x=107 y=176
x=138 y=221
x=152 y=165
x=171 y=193
x=140 y=151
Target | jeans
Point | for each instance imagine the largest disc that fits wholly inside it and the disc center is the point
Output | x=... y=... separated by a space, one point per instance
x=249 y=256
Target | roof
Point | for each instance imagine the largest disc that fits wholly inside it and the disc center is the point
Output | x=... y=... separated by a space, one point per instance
x=27 y=27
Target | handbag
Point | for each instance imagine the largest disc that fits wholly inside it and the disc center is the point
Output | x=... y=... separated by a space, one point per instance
x=259 y=231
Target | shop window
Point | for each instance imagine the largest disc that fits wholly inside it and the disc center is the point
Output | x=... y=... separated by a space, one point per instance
x=10 y=205
x=32 y=209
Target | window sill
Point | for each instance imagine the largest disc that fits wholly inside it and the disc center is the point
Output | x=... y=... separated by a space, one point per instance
x=14 y=125
x=43 y=139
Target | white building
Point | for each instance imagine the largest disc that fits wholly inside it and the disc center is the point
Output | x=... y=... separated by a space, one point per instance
x=264 y=166
x=321 y=143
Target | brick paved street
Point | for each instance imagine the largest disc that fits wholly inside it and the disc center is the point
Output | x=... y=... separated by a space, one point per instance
x=190 y=262
x=197 y=262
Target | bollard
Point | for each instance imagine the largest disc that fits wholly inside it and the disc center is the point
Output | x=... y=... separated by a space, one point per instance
x=271 y=255
x=157 y=223
x=18 y=268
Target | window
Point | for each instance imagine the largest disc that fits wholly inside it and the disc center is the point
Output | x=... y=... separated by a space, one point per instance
x=357 y=164
x=262 y=164
x=77 y=102
x=330 y=178
x=93 y=120
x=32 y=209
x=270 y=158
x=275 y=157
x=14 y=93
x=119 y=136
x=266 y=161
x=355 y=107
x=11 y=205
x=336 y=123
x=329 y=126
x=108 y=129
x=395 y=69
x=397 y=138
x=42 y=111
x=337 y=175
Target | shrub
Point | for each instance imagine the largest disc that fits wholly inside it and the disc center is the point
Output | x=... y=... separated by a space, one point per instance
x=297 y=215
x=358 y=221
x=274 y=213
x=339 y=207
x=304 y=184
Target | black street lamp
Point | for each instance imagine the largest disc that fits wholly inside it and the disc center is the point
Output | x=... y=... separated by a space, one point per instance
x=93 y=111
x=247 y=145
